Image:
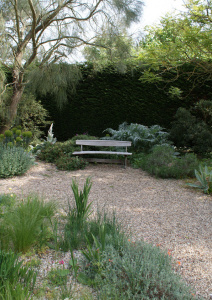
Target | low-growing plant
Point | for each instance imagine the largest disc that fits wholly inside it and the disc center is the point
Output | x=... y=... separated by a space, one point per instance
x=143 y=138
x=58 y=276
x=204 y=177
x=14 y=161
x=15 y=280
x=27 y=223
x=68 y=163
x=139 y=271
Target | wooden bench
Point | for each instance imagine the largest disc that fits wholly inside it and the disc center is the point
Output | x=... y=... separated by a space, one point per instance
x=104 y=143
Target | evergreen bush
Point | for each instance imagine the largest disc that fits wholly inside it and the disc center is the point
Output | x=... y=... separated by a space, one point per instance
x=163 y=163
x=68 y=163
x=189 y=132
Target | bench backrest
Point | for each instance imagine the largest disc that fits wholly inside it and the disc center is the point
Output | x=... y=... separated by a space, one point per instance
x=103 y=143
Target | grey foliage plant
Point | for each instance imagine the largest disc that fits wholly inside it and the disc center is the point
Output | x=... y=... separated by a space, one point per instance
x=204 y=177
x=14 y=161
x=143 y=138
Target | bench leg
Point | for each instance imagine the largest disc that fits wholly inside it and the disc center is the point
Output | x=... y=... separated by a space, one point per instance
x=125 y=162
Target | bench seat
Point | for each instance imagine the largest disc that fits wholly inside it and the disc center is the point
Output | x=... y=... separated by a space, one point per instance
x=104 y=143
x=101 y=152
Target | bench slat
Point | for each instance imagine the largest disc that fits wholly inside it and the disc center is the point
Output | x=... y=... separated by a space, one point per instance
x=101 y=152
x=100 y=143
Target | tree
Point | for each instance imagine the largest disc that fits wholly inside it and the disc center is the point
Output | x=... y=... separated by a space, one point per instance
x=178 y=41
x=42 y=33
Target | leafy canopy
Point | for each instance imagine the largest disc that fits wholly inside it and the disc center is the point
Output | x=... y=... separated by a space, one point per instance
x=177 y=40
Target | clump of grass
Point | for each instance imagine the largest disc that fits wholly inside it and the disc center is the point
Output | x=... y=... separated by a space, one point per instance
x=26 y=224
x=16 y=281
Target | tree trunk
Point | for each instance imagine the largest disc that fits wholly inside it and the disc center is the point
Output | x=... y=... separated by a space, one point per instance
x=15 y=99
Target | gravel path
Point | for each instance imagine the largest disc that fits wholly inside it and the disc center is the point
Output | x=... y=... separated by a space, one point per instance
x=163 y=212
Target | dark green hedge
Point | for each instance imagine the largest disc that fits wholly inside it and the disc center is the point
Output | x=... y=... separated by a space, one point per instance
x=107 y=99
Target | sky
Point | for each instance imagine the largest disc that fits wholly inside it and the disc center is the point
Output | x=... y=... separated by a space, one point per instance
x=153 y=10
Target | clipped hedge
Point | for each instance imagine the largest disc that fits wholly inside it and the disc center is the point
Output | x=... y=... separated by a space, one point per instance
x=106 y=99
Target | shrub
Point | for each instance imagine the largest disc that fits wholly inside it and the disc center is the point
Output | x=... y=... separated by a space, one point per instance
x=14 y=161
x=32 y=116
x=83 y=137
x=68 y=163
x=27 y=224
x=143 y=138
x=138 y=271
x=163 y=163
x=187 y=131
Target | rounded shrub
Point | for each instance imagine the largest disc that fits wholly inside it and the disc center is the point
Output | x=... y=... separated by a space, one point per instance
x=51 y=152
x=139 y=271
x=14 y=161
x=163 y=163
x=18 y=132
x=8 y=133
x=68 y=163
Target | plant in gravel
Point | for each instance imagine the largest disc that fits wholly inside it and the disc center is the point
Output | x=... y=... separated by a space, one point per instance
x=16 y=281
x=204 y=177
x=82 y=209
x=7 y=200
x=143 y=138
x=74 y=265
x=162 y=162
x=137 y=271
x=75 y=227
x=68 y=163
x=58 y=276
x=26 y=224
x=14 y=161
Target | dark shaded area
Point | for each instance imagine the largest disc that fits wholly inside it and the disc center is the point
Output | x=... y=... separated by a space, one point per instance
x=107 y=99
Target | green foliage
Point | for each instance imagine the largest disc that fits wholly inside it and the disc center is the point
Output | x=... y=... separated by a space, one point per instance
x=32 y=116
x=60 y=153
x=163 y=163
x=82 y=209
x=16 y=137
x=143 y=138
x=26 y=224
x=187 y=131
x=136 y=271
x=16 y=281
x=67 y=163
x=74 y=230
x=204 y=177
x=50 y=153
x=14 y=161
x=177 y=40
x=83 y=137
x=58 y=276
